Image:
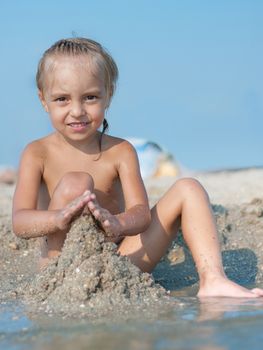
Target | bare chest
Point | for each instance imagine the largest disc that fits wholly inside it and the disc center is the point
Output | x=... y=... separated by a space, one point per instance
x=103 y=171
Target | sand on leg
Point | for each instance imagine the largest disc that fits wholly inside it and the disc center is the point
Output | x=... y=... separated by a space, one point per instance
x=185 y=203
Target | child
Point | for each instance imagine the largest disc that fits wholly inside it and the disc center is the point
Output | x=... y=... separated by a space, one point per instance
x=78 y=168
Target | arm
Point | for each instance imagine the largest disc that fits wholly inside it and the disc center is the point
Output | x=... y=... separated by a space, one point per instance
x=31 y=223
x=136 y=217
x=134 y=220
x=28 y=221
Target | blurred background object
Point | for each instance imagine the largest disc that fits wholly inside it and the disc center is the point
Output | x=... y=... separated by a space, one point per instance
x=154 y=160
x=7 y=175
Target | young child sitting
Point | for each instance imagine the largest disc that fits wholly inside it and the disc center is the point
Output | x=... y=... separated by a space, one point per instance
x=78 y=168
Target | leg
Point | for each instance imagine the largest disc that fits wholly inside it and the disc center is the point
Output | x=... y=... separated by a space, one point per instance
x=72 y=185
x=187 y=202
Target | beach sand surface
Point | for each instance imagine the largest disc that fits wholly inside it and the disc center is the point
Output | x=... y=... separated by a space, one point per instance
x=237 y=198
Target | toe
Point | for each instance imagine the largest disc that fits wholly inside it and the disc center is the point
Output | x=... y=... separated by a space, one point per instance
x=258 y=292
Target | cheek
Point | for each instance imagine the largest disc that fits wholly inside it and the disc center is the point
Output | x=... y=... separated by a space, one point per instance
x=98 y=119
x=56 y=116
x=99 y=111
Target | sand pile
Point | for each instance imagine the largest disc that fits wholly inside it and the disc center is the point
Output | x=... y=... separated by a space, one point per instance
x=89 y=276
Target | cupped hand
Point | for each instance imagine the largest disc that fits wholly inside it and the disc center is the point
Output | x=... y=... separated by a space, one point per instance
x=108 y=222
x=74 y=209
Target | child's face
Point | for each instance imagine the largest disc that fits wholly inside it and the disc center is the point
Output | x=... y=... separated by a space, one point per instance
x=75 y=98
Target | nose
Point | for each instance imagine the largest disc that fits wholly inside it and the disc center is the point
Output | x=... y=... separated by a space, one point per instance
x=77 y=109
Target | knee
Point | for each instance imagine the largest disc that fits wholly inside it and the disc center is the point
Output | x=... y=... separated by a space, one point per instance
x=73 y=184
x=189 y=187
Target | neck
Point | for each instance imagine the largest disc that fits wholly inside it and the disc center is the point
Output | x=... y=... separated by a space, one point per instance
x=89 y=146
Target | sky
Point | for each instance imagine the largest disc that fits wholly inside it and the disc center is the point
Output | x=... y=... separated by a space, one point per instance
x=191 y=76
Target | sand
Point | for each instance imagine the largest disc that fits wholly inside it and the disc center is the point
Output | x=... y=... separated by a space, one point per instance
x=90 y=278
x=89 y=275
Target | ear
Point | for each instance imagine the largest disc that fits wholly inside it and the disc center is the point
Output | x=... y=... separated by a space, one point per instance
x=43 y=100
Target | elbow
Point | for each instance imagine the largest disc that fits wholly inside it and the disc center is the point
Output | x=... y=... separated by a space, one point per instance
x=19 y=233
x=16 y=228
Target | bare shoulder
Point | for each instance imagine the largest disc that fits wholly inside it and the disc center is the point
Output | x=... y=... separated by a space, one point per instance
x=118 y=146
x=29 y=174
x=123 y=155
x=35 y=152
x=128 y=169
x=37 y=149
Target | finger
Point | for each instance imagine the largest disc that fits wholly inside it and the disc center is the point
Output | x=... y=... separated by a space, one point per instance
x=91 y=205
x=104 y=216
x=106 y=223
x=92 y=209
x=71 y=212
x=86 y=192
x=81 y=200
x=101 y=214
x=101 y=218
x=93 y=199
x=75 y=207
x=86 y=197
x=96 y=210
x=97 y=214
x=93 y=196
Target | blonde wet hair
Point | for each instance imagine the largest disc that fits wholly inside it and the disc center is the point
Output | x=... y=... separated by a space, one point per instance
x=79 y=47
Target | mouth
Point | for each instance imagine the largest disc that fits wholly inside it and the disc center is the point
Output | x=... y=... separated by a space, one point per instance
x=78 y=126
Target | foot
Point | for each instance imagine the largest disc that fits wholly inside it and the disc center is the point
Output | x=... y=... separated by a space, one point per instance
x=222 y=287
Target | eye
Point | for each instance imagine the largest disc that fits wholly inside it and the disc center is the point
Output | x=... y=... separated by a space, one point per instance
x=61 y=99
x=90 y=97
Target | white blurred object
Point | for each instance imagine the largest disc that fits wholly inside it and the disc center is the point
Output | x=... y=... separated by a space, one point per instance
x=7 y=175
x=154 y=160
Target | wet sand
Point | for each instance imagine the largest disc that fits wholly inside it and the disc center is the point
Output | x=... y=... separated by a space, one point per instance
x=89 y=275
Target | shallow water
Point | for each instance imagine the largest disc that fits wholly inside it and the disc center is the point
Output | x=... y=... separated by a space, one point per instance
x=189 y=323
x=214 y=324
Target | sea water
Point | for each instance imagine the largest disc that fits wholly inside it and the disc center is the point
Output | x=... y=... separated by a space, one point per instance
x=191 y=323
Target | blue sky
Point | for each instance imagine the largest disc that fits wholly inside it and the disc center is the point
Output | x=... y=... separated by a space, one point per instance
x=191 y=76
